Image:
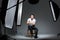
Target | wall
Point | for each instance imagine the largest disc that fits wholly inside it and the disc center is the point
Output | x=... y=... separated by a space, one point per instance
x=43 y=14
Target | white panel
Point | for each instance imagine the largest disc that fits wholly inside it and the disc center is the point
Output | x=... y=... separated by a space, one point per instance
x=10 y=14
x=53 y=11
x=19 y=13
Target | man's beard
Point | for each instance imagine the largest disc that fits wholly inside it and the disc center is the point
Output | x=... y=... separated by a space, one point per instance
x=31 y=18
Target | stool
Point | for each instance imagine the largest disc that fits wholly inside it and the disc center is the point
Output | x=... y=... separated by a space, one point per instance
x=29 y=34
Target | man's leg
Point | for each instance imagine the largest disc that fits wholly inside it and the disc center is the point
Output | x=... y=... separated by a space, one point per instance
x=31 y=31
x=36 y=32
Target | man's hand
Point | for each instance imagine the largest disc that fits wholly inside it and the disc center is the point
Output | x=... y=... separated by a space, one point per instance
x=32 y=23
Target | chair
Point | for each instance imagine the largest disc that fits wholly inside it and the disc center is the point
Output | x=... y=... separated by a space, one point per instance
x=29 y=34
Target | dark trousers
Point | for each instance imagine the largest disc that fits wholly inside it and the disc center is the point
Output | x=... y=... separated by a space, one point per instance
x=31 y=28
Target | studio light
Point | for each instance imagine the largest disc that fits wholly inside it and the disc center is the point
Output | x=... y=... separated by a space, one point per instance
x=19 y=13
x=54 y=9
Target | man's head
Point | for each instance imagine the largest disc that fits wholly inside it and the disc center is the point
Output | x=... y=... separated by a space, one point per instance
x=32 y=16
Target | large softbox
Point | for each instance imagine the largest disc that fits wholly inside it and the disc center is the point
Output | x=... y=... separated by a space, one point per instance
x=54 y=9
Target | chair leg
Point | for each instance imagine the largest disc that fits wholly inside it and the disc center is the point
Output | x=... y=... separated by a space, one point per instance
x=29 y=34
x=33 y=32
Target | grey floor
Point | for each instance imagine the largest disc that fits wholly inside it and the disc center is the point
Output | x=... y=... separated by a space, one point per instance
x=21 y=35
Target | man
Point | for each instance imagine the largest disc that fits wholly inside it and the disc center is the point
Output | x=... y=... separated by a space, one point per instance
x=31 y=25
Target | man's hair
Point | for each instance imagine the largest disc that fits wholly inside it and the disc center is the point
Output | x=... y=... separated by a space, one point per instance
x=33 y=15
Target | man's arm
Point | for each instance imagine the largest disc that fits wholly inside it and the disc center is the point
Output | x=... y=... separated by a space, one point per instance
x=28 y=22
x=34 y=22
x=31 y=23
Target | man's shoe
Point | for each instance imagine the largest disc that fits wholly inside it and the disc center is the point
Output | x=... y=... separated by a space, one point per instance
x=35 y=37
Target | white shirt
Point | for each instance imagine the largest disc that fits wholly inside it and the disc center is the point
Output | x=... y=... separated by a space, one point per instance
x=31 y=21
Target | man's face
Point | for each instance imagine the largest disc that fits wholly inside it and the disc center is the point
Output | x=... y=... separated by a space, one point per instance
x=32 y=16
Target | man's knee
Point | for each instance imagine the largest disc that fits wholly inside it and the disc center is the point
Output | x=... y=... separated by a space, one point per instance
x=36 y=30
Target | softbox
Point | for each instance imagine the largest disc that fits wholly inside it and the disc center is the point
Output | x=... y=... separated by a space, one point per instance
x=54 y=9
